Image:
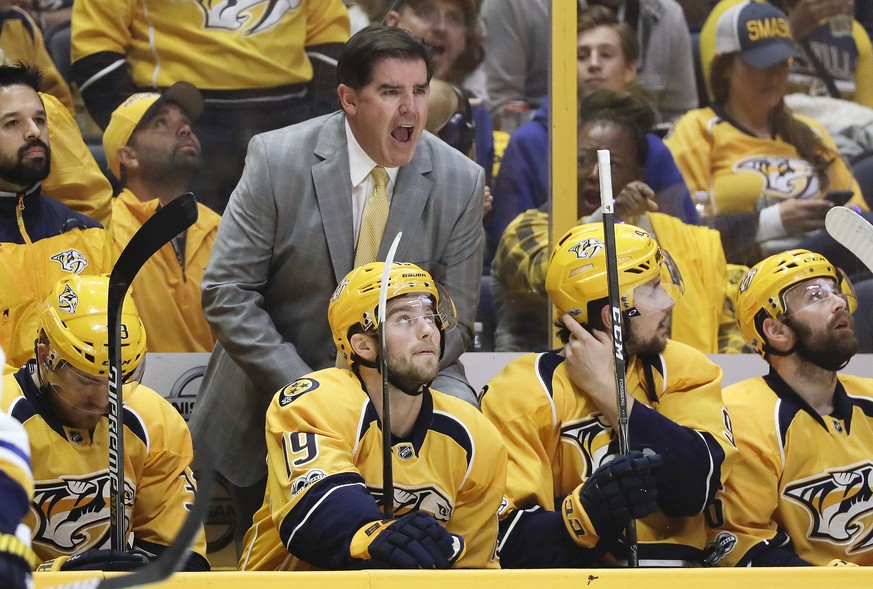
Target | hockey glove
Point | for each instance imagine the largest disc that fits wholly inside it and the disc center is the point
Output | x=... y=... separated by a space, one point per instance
x=416 y=540
x=97 y=559
x=618 y=491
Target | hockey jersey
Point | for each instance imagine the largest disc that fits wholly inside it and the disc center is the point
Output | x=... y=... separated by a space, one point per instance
x=167 y=291
x=556 y=437
x=324 y=448
x=16 y=478
x=42 y=241
x=70 y=509
x=744 y=173
x=802 y=483
x=213 y=44
x=21 y=40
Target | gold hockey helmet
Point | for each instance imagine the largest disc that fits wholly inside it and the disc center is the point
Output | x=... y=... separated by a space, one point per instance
x=74 y=318
x=761 y=292
x=355 y=302
x=576 y=275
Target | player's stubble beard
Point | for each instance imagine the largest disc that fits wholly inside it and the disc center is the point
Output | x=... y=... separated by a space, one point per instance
x=409 y=375
x=636 y=343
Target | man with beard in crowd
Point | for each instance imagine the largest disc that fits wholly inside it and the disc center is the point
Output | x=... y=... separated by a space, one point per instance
x=155 y=155
x=41 y=240
x=799 y=493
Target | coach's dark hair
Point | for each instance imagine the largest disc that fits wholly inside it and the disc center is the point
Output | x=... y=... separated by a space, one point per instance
x=373 y=44
x=20 y=74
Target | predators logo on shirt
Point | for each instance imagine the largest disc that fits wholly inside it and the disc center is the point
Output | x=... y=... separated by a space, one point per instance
x=783 y=177
x=427 y=498
x=71 y=260
x=72 y=514
x=591 y=437
x=836 y=501
x=249 y=16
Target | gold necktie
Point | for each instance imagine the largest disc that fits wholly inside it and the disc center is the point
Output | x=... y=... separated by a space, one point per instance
x=373 y=220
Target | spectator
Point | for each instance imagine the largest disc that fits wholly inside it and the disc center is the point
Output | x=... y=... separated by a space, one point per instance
x=610 y=121
x=767 y=170
x=61 y=396
x=798 y=494
x=325 y=509
x=256 y=74
x=452 y=30
x=299 y=209
x=42 y=239
x=21 y=40
x=607 y=53
x=666 y=62
x=828 y=62
x=557 y=413
x=155 y=155
x=516 y=62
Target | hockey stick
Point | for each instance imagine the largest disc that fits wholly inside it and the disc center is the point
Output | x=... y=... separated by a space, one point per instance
x=173 y=557
x=168 y=222
x=606 y=202
x=387 y=468
x=853 y=232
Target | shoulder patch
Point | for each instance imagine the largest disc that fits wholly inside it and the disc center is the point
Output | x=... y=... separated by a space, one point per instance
x=299 y=387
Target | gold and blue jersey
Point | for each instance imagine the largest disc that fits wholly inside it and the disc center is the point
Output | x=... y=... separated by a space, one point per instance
x=69 y=513
x=324 y=449
x=556 y=437
x=802 y=486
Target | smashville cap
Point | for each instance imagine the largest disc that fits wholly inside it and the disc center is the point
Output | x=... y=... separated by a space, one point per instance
x=758 y=31
x=141 y=107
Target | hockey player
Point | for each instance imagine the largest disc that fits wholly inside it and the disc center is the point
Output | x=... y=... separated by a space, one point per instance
x=61 y=398
x=324 y=483
x=800 y=492
x=16 y=489
x=568 y=497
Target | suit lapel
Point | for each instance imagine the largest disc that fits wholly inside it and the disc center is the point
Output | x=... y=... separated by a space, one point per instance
x=407 y=204
x=333 y=191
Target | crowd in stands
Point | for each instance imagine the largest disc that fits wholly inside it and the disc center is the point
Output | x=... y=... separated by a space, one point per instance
x=312 y=133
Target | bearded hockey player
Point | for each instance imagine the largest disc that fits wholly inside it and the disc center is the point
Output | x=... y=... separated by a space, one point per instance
x=325 y=454
x=61 y=397
x=801 y=491
x=569 y=496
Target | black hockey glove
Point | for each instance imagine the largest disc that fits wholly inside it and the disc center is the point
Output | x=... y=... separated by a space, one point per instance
x=620 y=490
x=416 y=540
x=98 y=559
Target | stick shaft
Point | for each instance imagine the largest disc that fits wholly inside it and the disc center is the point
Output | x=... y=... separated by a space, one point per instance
x=387 y=461
x=606 y=201
x=168 y=222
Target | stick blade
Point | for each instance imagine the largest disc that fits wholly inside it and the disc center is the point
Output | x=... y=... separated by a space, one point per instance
x=853 y=232
x=168 y=222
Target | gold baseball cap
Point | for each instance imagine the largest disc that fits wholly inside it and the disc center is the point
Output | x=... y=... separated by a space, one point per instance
x=141 y=107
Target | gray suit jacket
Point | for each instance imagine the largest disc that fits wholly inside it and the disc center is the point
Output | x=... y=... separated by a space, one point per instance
x=284 y=243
